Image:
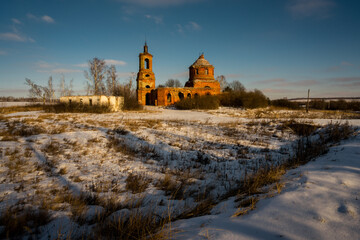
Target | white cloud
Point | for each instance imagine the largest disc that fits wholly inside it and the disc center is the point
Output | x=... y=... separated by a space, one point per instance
x=65 y=70
x=190 y=26
x=124 y=74
x=47 y=19
x=44 y=18
x=159 y=3
x=179 y=28
x=194 y=26
x=82 y=65
x=2 y=53
x=184 y=74
x=13 y=37
x=311 y=8
x=43 y=64
x=107 y=61
x=115 y=62
x=16 y=21
x=344 y=63
x=156 y=19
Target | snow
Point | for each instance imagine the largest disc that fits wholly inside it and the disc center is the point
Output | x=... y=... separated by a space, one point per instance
x=206 y=151
x=321 y=200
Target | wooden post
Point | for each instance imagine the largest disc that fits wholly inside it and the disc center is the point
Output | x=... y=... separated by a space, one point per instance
x=307 y=102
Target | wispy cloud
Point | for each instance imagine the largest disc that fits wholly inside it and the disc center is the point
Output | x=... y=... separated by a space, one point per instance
x=3 y=53
x=281 y=82
x=43 y=64
x=82 y=65
x=179 y=28
x=16 y=21
x=65 y=70
x=190 y=26
x=272 y=81
x=158 y=3
x=15 y=37
x=115 y=62
x=156 y=19
x=107 y=61
x=45 y=18
x=342 y=66
x=279 y=91
x=345 y=79
x=311 y=8
x=124 y=74
x=234 y=75
x=194 y=26
x=180 y=75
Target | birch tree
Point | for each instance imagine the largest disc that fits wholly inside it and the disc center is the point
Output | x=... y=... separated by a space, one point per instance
x=112 y=81
x=95 y=76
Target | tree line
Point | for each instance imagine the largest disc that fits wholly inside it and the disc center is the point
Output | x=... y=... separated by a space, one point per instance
x=101 y=80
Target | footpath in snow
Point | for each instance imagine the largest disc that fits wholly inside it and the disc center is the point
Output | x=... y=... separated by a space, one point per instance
x=320 y=200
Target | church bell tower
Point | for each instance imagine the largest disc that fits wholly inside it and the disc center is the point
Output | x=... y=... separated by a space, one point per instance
x=145 y=78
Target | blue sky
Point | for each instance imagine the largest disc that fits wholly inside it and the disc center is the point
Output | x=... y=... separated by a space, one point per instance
x=282 y=47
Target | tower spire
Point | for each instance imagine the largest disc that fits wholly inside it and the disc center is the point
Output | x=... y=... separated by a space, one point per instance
x=145 y=47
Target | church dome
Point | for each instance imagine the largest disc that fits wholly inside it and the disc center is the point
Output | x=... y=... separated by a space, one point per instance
x=201 y=61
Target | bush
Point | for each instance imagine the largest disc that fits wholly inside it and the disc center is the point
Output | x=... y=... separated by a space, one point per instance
x=131 y=102
x=17 y=221
x=12 y=109
x=202 y=102
x=76 y=108
x=136 y=183
x=245 y=99
x=285 y=104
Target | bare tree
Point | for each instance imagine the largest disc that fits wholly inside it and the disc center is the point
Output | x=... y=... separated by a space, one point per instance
x=95 y=76
x=50 y=92
x=46 y=93
x=65 y=90
x=237 y=86
x=222 y=80
x=35 y=90
x=111 y=81
x=173 y=83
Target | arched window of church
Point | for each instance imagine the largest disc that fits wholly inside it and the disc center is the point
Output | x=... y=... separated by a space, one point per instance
x=206 y=72
x=147 y=63
x=189 y=95
x=181 y=95
x=197 y=71
x=147 y=86
x=169 y=98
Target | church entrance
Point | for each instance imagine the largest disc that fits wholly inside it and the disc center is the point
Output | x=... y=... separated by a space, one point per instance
x=148 y=101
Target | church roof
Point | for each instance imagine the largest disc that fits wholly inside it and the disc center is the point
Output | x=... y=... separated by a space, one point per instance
x=201 y=61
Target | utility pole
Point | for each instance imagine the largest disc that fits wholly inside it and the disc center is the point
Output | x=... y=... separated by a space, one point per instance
x=307 y=102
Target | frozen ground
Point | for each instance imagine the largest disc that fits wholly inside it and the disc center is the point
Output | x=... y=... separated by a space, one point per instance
x=320 y=200
x=82 y=167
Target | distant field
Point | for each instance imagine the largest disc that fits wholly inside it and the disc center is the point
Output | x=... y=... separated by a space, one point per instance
x=12 y=104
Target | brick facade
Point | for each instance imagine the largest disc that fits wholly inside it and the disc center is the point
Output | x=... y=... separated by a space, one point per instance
x=201 y=82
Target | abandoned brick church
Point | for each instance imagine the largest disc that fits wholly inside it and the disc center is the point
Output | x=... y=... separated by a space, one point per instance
x=201 y=82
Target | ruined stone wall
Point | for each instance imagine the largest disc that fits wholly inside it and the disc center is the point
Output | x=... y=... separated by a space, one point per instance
x=115 y=103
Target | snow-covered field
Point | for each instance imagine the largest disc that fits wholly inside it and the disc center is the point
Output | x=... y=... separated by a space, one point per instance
x=81 y=168
x=320 y=200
